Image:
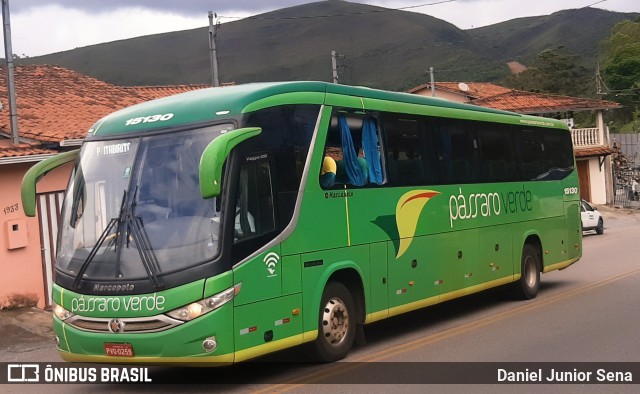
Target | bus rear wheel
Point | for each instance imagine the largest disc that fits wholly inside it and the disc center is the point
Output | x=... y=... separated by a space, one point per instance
x=337 y=324
x=528 y=285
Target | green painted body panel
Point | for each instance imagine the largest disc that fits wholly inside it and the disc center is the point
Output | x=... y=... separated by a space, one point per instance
x=179 y=342
x=128 y=306
x=215 y=155
x=217 y=284
x=285 y=99
x=378 y=301
x=464 y=238
x=259 y=280
x=263 y=322
x=194 y=107
x=213 y=104
x=316 y=275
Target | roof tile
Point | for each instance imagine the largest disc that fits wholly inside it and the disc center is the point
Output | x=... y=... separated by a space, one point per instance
x=55 y=103
x=24 y=150
x=593 y=151
x=540 y=103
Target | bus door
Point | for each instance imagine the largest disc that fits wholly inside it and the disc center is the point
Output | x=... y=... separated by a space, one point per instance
x=263 y=314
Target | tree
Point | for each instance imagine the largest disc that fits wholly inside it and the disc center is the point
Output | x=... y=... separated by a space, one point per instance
x=554 y=70
x=620 y=60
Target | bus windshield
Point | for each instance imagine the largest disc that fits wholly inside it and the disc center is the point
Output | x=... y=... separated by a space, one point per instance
x=133 y=208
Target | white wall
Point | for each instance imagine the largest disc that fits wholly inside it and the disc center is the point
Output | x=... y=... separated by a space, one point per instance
x=597 y=180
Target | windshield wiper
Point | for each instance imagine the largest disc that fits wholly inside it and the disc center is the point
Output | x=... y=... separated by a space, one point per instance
x=140 y=236
x=114 y=222
x=135 y=227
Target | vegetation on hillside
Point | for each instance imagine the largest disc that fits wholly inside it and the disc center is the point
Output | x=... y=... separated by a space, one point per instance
x=620 y=64
x=376 y=47
x=555 y=70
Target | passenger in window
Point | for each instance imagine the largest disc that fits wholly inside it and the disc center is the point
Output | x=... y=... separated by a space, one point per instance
x=328 y=172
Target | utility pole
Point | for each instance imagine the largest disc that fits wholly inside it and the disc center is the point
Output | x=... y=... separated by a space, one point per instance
x=433 y=82
x=334 y=66
x=599 y=82
x=11 y=86
x=213 y=56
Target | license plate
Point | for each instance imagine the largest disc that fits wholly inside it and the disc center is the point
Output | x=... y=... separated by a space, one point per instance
x=118 y=349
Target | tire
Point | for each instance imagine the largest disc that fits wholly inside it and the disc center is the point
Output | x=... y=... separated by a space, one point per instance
x=336 y=324
x=527 y=286
x=600 y=226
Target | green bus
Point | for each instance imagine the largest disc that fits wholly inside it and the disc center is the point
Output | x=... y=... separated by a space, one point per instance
x=223 y=224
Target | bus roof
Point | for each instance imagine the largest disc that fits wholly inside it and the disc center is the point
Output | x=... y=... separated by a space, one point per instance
x=210 y=104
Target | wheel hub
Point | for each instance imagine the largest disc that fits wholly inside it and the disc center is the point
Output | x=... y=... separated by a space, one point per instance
x=530 y=272
x=335 y=321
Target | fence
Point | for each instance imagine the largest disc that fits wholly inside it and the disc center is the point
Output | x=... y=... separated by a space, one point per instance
x=628 y=144
x=626 y=168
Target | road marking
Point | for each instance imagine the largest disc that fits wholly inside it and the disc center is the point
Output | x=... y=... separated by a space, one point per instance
x=342 y=367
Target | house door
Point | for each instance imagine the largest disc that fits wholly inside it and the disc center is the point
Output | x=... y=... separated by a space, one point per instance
x=583 y=179
x=49 y=206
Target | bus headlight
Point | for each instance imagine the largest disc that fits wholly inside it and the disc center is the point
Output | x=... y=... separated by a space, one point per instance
x=204 y=306
x=61 y=313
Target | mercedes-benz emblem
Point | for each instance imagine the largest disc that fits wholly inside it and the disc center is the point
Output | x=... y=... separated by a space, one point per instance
x=115 y=326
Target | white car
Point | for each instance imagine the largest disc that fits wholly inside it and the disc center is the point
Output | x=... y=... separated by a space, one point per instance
x=591 y=218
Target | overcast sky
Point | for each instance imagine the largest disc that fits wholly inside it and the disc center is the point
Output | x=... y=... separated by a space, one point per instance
x=40 y=27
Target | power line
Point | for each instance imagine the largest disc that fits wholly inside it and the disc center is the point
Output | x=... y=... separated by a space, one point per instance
x=597 y=2
x=337 y=15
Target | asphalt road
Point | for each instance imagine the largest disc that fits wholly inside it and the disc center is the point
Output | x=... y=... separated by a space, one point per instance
x=584 y=314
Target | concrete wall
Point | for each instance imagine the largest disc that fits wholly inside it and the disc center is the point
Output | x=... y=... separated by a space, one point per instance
x=443 y=94
x=21 y=270
x=597 y=178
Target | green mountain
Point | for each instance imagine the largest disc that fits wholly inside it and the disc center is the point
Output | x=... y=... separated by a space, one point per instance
x=578 y=30
x=376 y=47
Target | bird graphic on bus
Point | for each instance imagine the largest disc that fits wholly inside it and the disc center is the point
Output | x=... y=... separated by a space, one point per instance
x=408 y=211
x=401 y=227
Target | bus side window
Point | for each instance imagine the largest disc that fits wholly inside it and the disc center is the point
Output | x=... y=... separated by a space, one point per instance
x=496 y=152
x=557 y=162
x=254 y=212
x=458 y=149
x=353 y=143
x=531 y=149
x=411 y=151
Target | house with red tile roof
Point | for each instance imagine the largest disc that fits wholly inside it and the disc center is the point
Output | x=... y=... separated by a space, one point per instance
x=55 y=108
x=591 y=145
x=462 y=92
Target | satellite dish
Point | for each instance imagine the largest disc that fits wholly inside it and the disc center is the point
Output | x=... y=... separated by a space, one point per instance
x=463 y=86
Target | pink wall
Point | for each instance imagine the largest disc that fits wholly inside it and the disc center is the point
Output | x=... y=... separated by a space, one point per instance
x=21 y=267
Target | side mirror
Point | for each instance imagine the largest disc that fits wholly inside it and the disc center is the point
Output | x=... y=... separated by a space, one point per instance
x=36 y=172
x=214 y=156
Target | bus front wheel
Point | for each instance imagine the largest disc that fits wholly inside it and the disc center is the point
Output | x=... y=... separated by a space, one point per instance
x=337 y=324
x=528 y=285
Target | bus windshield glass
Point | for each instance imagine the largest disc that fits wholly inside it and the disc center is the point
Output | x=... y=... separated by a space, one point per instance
x=133 y=208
